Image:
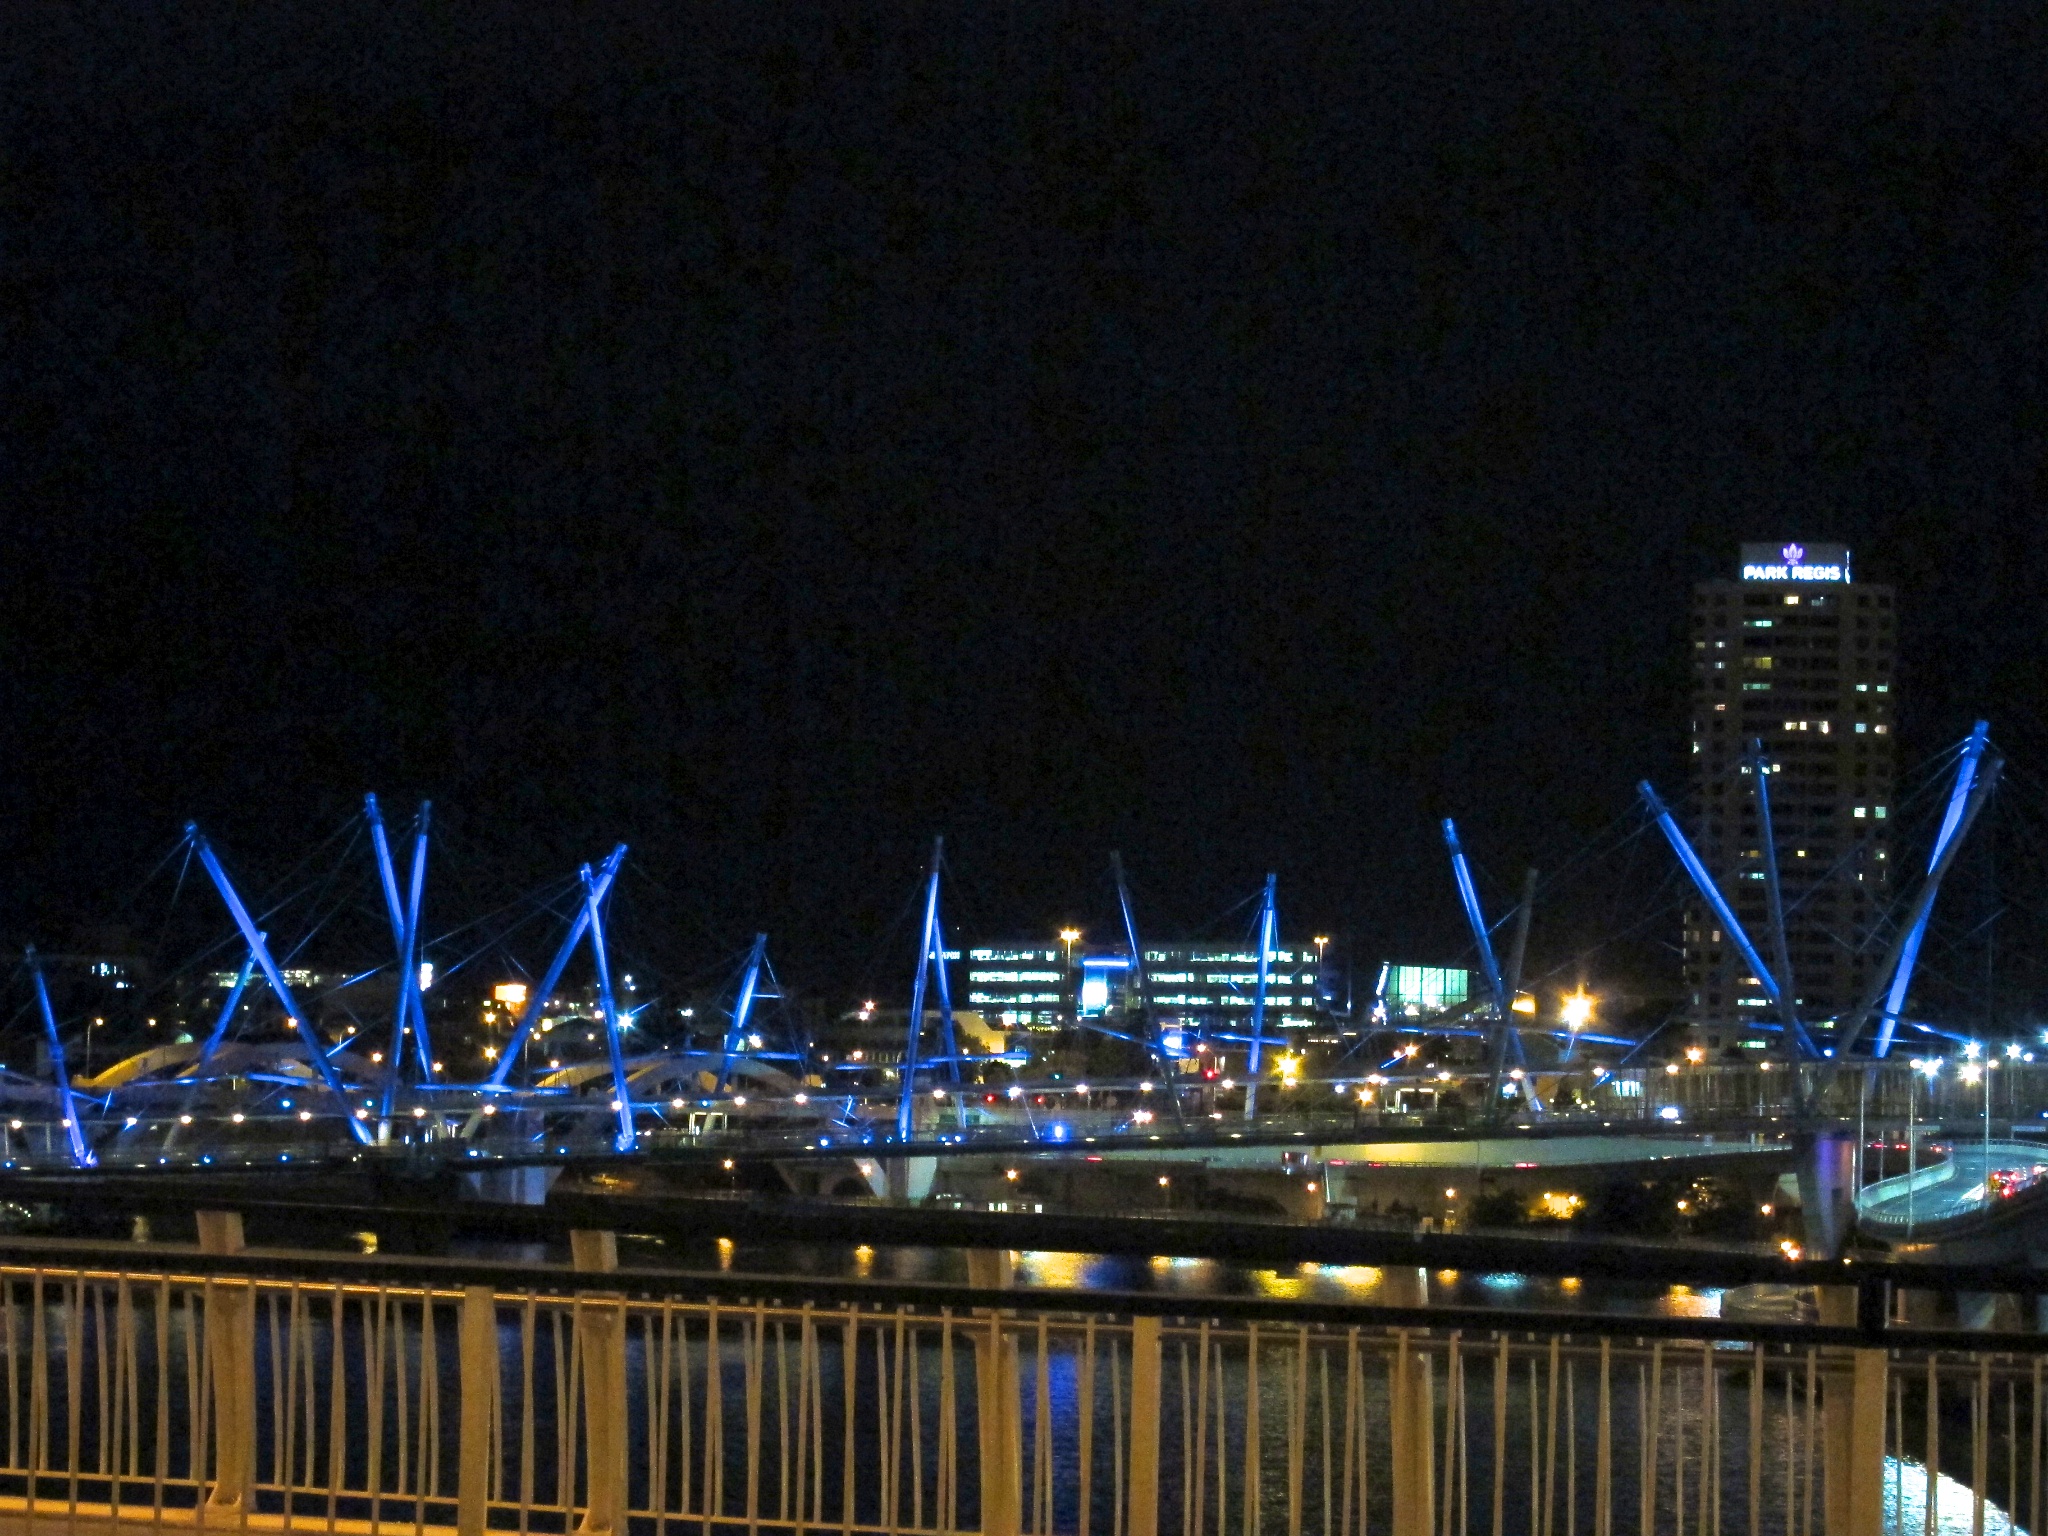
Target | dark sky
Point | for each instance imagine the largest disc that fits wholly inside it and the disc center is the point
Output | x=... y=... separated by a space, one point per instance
x=772 y=435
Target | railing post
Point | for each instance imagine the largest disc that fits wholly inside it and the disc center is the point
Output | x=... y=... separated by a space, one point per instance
x=1412 y=1420
x=1852 y=1421
x=1144 y=1500
x=601 y=1335
x=998 y=1406
x=231 y=1352
x=478 y=1350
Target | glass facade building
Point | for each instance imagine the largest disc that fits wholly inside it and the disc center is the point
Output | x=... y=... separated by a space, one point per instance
x=1038 y=987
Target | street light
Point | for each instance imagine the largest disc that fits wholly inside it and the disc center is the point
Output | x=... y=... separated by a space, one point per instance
x=1576 y=1009
x=1070 y=937
x=1930 y=1068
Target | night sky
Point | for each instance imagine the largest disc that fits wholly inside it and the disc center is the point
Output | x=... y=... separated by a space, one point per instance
x=773 y=435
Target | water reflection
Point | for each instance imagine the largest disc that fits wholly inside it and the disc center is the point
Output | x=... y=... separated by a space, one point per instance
x=1362 y=1283
x=1905 y=1504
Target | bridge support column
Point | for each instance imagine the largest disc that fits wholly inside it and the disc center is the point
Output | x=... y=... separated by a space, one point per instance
x=1412 y=1419
x=601 y=1332
x=231 y=1352
x=478 y=1351
x=1403 y=1285
x=998 y=1404
x=1827 y=1193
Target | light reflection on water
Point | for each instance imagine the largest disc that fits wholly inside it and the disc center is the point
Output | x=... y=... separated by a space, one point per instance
x=1905 y=1504
x=1362 y=1283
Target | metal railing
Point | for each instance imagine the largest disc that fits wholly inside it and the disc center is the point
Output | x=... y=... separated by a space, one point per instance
x=295 y=1390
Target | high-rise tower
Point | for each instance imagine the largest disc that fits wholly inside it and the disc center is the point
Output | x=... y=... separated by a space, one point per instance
x=1794 y=654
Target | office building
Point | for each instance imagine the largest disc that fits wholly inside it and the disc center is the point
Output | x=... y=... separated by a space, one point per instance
x=1793 y=653
x=1027 y=986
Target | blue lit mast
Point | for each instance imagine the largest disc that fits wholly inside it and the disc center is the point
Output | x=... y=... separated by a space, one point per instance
x=405 y=926
x=1267 y=925
x=593 y=907
x=736 y=1031
x=1141 y=979
x=1774 y=894
x=931 y=955
x=1507 y=1042
x=1800 y=1043
x=67 y=1104
x=1975 y=780
x=534 y=1004
x=227 y=1010
x=260 y=952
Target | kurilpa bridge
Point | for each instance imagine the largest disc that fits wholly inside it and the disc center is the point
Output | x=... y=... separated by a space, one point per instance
x=377 y=1089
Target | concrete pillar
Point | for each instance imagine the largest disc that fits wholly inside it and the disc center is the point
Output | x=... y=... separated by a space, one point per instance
x=1413 y=1424
x=527 y=1185
x=1827 y=1193
x=1144 y=1499
x=1403 y=1285
x=601 y=1331
x=909 y=1178
x=231 y=1351
x=999 y=1406
x=478 y=1350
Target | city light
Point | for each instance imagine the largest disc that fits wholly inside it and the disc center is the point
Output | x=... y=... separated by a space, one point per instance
x=511 y=993
x=1576 y=1009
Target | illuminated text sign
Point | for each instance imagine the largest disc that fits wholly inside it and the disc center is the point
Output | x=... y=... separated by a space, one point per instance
x=1795 y=562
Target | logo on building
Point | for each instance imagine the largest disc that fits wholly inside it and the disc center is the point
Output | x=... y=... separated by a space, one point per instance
x=1795 y=562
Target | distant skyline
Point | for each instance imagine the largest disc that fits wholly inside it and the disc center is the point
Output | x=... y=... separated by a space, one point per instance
x=773 y=438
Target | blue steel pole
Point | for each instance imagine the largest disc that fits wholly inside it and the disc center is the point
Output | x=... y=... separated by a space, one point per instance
x=410 y=982
x=1711 y=894
x=946 y=1031
x=592 y=904
x=261 y=953
x=393 y=1062
x=227 y=1012
x=907 y=1089
x=1937 y=860
x=1141 y=978
x=1774 y=894
x=546 y=989
x=1489 y=966
x=74 y=1132
x=1258 y=1054
x=405 y=935
x=736 y=1033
